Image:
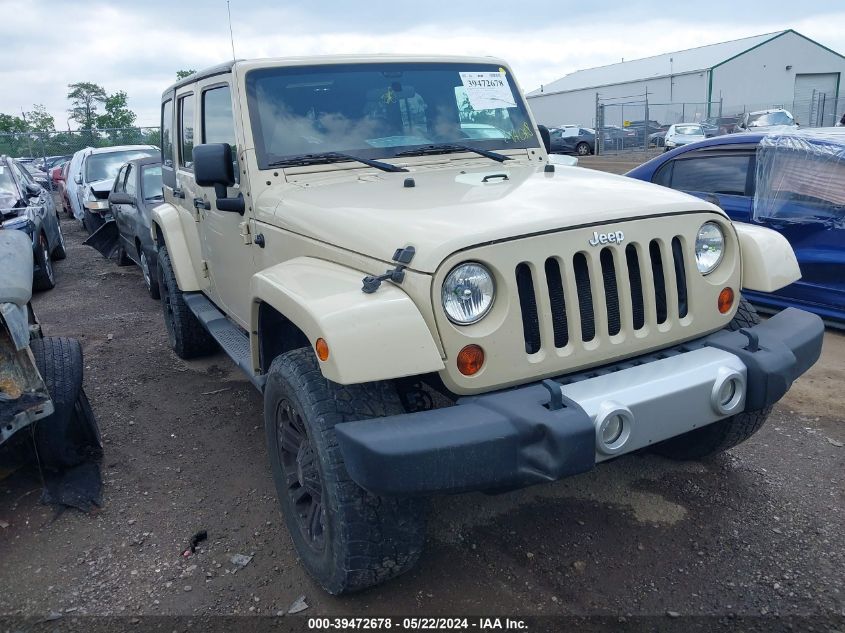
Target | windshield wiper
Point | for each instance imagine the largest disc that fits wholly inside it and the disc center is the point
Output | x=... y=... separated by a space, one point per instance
x=332 y=157
x=447 y=148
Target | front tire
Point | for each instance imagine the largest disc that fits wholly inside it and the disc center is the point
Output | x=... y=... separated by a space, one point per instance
x=348 y=539
x=60 y=252
x=186 y=335
x=150 y=280
x=720 y=436
x=70 y=435
x=45 y=278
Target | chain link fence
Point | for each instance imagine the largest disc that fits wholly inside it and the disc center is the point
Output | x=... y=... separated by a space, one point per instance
x=39 y=148
x=636 y=124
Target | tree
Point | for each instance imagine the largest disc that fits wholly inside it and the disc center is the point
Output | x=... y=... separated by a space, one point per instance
x=39 y=120
x=11 y=124
x=181 y=74
x=117 y=114
x=84 y=97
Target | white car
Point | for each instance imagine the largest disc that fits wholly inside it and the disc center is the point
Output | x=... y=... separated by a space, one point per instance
x=768 y=119
x=683 y=133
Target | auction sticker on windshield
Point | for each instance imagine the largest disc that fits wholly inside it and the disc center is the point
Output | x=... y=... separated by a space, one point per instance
x=488 y=90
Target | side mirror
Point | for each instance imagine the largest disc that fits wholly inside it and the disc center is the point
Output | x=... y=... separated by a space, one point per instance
x=214 y=167
x=78 y=179
x=116 y=197
x=33 y=190
x=546 y=137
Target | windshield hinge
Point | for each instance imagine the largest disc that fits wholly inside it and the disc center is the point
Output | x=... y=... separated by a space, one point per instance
x=402 y=257
x=245 y=232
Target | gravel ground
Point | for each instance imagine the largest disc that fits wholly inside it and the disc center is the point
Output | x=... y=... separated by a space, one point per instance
x=755 y=531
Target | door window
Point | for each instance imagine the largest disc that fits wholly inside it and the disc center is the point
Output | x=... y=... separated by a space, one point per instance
x=724 y=174
x=131 y=189
x=186 y=131
x=218 y=123
x=119 y=181
x=167 y=133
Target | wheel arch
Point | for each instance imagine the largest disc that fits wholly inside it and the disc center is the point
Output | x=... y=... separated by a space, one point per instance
x=166 y=228
x=378 y=336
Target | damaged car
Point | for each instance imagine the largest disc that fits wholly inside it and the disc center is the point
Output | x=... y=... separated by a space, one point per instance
x=40 y=377
x=27 y=207
x=137 y=189
x=96 y=177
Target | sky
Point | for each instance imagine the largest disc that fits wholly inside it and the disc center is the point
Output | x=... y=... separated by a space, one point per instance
x=138 y=46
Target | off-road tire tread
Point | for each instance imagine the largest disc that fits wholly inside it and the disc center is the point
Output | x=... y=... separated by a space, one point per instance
x=192 y=339
x=720 y=436
x=384 y=535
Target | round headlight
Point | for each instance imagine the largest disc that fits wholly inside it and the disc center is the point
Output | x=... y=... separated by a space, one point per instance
x=467 y=293
x=709 y=247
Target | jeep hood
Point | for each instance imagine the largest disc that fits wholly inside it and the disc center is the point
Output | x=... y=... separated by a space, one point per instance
x=448 y=210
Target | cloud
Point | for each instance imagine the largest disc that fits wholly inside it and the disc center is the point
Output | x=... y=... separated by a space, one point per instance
x=138 y=47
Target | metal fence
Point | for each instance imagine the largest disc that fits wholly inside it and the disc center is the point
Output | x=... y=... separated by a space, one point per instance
x=41 y=146
x=634 y=123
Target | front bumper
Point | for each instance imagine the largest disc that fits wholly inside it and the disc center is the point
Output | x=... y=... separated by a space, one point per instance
x=545 y=431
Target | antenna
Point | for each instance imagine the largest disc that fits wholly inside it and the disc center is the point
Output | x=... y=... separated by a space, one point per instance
x=231 y=36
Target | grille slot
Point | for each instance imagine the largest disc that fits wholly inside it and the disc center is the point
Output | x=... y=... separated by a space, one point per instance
x=628 y=302
x=680 y=276
x=635 y=282
x=659 y=280
x=528 y=307
x=558 y=302
x=585 y=297
x=608 y=273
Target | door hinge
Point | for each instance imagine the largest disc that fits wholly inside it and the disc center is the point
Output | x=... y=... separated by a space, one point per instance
x=204 y=268
x=245 y=232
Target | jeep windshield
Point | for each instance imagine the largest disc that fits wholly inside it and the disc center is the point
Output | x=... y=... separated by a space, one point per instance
x=384 y=110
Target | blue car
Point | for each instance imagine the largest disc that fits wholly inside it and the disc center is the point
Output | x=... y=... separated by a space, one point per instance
x=793 y=183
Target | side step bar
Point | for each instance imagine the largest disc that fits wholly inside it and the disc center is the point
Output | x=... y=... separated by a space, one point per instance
x=231 y=338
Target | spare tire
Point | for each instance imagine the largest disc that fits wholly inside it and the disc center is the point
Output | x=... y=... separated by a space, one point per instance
x=70 y=435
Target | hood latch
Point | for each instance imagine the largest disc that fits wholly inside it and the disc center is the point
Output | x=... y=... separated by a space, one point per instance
x=402 y=257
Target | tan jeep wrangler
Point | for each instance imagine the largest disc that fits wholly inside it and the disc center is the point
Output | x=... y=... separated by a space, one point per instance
x=429 y=306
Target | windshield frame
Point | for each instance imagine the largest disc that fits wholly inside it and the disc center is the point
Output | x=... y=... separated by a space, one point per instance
x=528 y=137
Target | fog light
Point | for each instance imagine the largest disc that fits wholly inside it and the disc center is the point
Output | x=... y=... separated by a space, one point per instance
x=613 y=427
x=612 y=430
x=726 y=300
x=728 y=394
x=470 y=360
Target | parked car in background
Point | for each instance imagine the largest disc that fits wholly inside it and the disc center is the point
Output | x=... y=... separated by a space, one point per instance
x=61 y=187
x=26 y=206
x=40 y=177
x=637 y=132
x=798 y=190
x=96 y=177
x=718 y=125
x=613 y=137
x=682 y=134
x=56 y=161
x=136 y=190
x=767 y=119
x=73 y=183
x=573 y=140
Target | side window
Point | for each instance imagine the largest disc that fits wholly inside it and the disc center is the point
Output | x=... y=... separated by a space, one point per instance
x=218 y=123
x=167 y=133
x=663 y=176
x=23 y=175
x=186 y=131
x=118 y=182
x=712 y=174
x=130 y=182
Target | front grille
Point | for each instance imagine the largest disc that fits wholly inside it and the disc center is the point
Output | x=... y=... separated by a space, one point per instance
x=619 y=289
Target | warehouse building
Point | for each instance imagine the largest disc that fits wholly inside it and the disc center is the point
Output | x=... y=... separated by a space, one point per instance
x=782 y=69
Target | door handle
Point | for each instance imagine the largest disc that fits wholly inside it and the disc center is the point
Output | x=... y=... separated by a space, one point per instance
x=178 y=193
x=199 y=203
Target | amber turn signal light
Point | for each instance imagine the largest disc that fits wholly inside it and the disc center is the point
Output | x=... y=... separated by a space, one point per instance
x=726 y=300
x=322 y=349
x=470 y=360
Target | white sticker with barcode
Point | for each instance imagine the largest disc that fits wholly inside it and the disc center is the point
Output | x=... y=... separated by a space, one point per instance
x=488 y=90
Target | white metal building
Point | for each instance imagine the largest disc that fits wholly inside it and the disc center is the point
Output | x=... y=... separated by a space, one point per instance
x=782 y=69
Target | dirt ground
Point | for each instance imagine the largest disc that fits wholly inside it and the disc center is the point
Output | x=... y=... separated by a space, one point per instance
x=755 y=531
